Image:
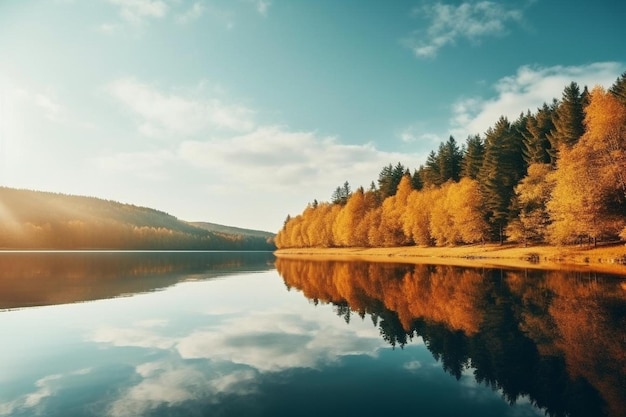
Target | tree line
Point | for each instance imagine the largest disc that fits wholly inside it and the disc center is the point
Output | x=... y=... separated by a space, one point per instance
x=555 y=175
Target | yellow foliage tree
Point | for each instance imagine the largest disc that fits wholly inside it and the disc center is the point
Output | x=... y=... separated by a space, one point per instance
x=416 y=217
x=465 y=204
x=589 y=197
x=532 y=195
x=441 y=225
x=348 y=218
x=392 y=212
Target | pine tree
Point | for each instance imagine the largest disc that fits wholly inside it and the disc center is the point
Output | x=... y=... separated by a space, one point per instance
x=341 y=194
x=416 y=180
x=389 y=178
x=618 y=89
x=568 y=119
x=430 y=174
x=449 y=160
x=502 y=169
x=537 y=148
x=473 y=157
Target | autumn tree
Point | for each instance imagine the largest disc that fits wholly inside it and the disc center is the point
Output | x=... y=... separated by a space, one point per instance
x=589 y=196
x=319 y=227
x=606 y=135
x=416 y=217
x=365 y=221
x=441 y=226
x=456 y=215
x=348 y=219
x=531 y=196
x=392 y=212
x=465 y=203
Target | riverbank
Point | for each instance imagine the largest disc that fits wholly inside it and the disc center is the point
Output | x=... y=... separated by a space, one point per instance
x=608 y=259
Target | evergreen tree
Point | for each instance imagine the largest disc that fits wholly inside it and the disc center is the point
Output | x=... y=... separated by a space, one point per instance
x=416 y=179
x=537 y=148
x=473 y=157
x=389 y=178
x=341 y=194
x=449 y=160
x=568 y=119
x=618 y=89
x=430 y=174
x=519 y=130
x=502 y=169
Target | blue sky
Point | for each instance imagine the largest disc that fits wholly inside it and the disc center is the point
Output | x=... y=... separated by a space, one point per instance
x=240 y=112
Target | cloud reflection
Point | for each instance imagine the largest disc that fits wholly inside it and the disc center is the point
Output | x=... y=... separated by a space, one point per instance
x=170 y=383
x=228 y=355
x=46 y=387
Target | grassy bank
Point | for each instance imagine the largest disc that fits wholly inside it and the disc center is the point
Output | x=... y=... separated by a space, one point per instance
x=609 y=259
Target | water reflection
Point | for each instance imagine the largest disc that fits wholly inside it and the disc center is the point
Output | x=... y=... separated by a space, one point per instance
x=556 y=338
x=244 y=345
x=46 y=278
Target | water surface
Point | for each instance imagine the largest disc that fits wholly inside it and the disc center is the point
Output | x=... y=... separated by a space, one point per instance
x=226 y=334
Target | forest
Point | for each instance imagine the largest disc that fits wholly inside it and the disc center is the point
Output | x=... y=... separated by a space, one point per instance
x=556 y=175
x=42 y=220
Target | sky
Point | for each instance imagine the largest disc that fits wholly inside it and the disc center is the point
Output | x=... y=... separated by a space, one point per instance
x=240 y=112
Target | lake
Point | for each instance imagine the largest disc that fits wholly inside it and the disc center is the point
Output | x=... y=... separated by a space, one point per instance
x=245 y=334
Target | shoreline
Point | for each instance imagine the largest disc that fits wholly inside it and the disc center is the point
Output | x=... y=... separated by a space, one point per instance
x=606 y=259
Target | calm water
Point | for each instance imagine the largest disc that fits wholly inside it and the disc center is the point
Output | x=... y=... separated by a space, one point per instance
x=243 y=334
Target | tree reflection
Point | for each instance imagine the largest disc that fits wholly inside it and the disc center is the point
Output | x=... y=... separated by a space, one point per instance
x=557 y=338
x=36 y=279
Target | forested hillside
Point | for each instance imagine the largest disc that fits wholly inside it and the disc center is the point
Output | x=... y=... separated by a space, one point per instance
x=41 y=220
x=556 y=175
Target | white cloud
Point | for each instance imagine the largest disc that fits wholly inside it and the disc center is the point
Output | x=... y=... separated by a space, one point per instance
x=415 y=133
x=528 y=89
x=163 y=114
x=194 y=12
x=107 y=28
x=470 y=20
x=52 y=110
x=275 y=157
x=146 y=164
x=217 y=149
x=263 y=6
x=137 y=11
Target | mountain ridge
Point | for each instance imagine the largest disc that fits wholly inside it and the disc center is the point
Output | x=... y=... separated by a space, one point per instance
x=45 y=220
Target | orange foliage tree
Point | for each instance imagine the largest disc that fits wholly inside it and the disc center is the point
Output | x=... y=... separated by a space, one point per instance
x=589 y=197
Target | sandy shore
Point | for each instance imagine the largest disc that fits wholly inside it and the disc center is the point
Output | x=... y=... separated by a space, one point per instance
x=608 y=259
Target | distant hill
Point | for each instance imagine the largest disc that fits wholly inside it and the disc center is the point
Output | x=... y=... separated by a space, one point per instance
x=43 y=220
x=230 y=230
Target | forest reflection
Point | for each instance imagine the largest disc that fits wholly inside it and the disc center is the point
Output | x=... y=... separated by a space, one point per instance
x=47 y=278
x=555 y=337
